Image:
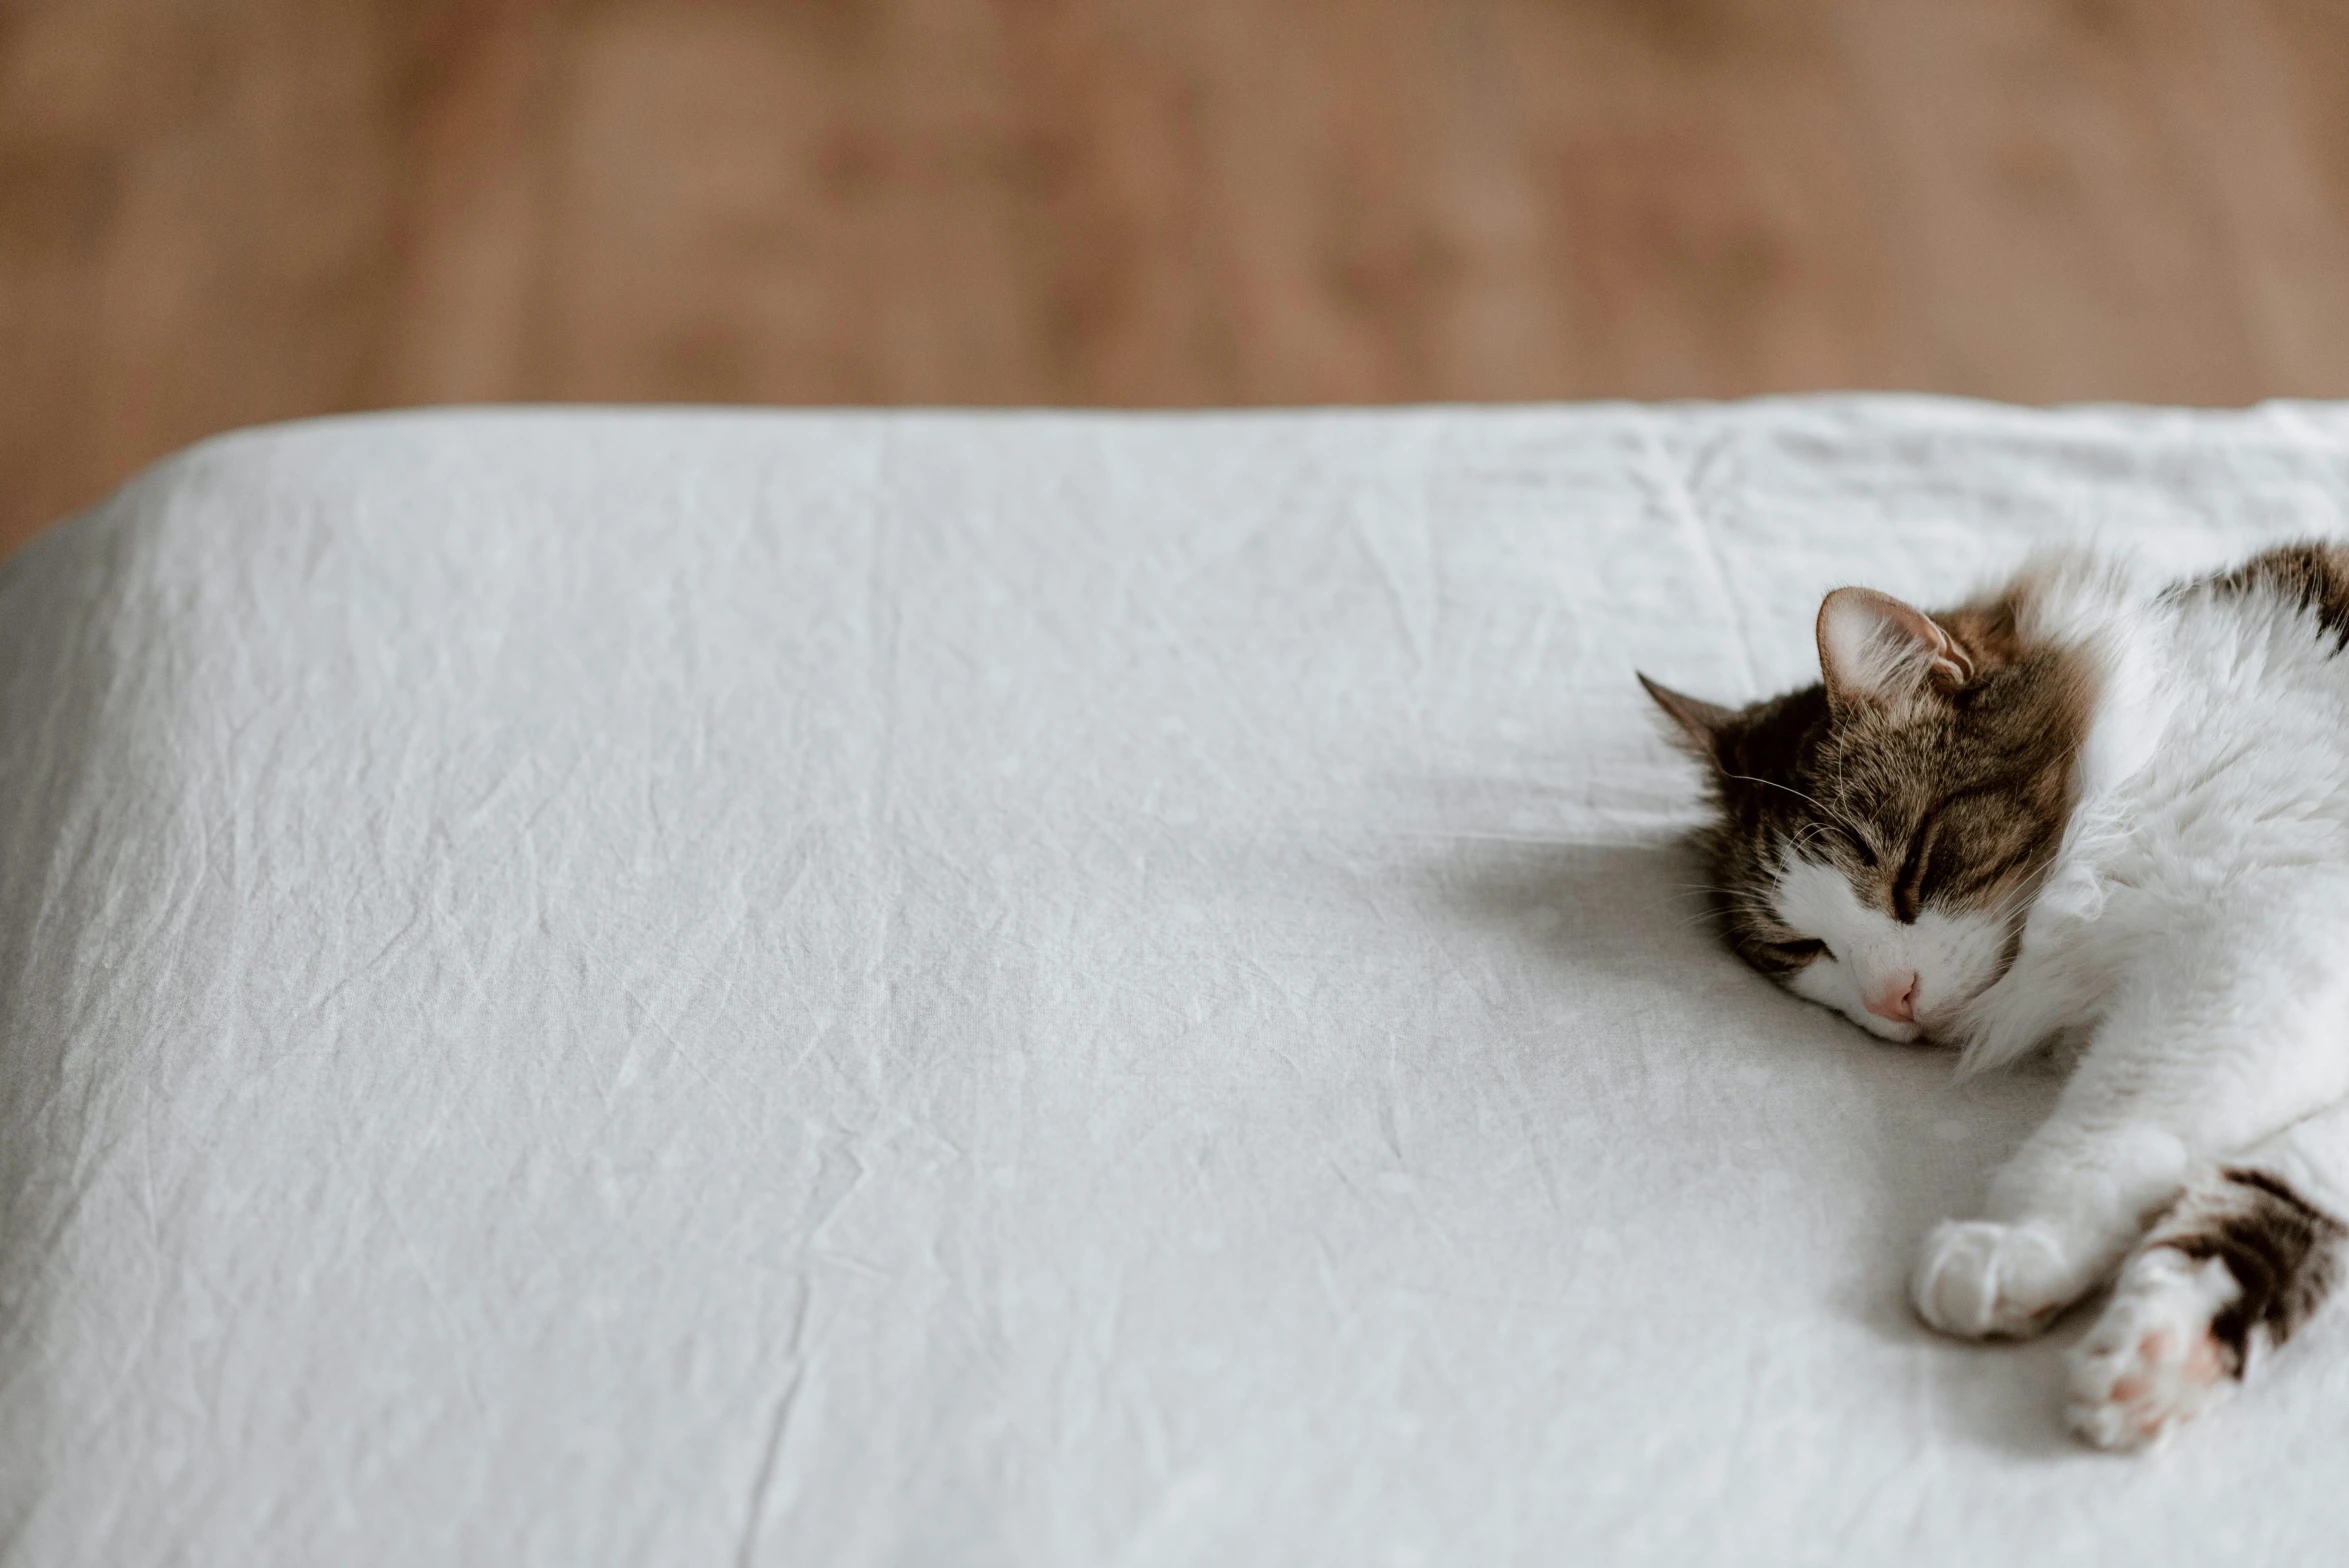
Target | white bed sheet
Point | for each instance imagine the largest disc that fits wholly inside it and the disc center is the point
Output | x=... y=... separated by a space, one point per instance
x=954 y=989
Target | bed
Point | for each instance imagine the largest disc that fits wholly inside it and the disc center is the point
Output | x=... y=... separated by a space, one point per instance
x=708 y=986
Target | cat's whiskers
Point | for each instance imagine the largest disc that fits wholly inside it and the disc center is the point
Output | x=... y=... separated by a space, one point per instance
x=1814 y=802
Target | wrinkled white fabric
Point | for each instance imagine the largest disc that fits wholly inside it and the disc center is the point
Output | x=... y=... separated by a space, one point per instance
x=590 y=987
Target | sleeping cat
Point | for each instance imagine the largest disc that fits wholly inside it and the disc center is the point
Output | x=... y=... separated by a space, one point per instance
x=2098 y=808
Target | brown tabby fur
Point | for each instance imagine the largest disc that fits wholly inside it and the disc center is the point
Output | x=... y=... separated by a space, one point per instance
x=2282 y=1252
x=2312 y=577
x=1952 y=795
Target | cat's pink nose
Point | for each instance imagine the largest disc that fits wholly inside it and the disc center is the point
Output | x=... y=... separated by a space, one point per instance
x=1897 y=1000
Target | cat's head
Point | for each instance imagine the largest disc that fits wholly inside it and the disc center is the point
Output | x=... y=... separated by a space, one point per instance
x=1877 y=838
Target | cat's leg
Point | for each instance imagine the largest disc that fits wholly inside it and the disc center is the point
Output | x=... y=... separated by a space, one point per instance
x=2228 y=1028
x=2237 y=1264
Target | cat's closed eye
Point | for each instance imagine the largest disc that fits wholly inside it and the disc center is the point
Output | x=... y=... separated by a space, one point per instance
x=1912 y=882
x=1800 y=951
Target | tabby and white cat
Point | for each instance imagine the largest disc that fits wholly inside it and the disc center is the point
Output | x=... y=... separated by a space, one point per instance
x=2100 y=808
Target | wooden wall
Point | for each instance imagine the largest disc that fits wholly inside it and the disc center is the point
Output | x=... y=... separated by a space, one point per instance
x=216 y=212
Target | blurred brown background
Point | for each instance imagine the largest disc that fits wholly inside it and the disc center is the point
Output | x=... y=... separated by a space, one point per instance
x=215 y=212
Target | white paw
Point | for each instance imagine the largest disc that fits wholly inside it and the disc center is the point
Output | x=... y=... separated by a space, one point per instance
x=2150 y=1365
x=1979 y=1279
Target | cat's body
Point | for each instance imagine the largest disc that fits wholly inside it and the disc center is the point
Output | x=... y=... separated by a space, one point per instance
x=2115 y=811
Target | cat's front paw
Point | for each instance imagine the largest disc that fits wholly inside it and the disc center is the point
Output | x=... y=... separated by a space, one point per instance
x=2151 y=1363
x=1979 y=1279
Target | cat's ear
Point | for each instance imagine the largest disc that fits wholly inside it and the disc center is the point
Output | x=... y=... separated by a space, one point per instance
x=1703 y=723
x=1873 y=648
